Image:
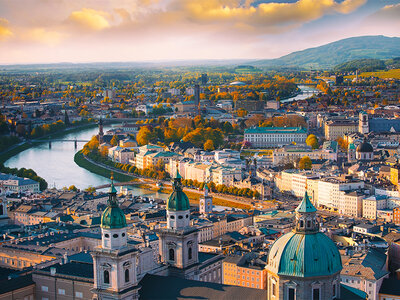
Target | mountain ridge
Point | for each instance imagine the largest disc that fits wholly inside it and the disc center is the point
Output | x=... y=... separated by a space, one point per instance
x=329 y=55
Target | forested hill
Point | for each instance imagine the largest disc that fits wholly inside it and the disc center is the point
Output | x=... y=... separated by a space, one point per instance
x=332 y=54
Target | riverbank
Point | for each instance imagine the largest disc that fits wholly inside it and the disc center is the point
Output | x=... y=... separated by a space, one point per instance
x=5 y=155
x=82 y=162
x=193 y=195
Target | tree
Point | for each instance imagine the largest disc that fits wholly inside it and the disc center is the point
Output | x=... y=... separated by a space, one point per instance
x=312 y=141
x=114 y=141
x=73 y=188
x=305 y=163
x=343 y=144
x=209 y=145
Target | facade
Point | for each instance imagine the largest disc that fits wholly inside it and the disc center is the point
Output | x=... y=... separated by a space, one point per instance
x=179 y=241
x=372 y=204
x=17 y=184
x=205 y=205
x=275 y=136
x=294 y=152
x=335 y=129
x=304 y=263
x=115 y=261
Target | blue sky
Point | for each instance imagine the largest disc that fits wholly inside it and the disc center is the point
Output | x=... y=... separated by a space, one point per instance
x=40 y=31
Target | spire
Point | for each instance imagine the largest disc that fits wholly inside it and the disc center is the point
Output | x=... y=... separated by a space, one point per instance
x=306 y=206
x=112 y=200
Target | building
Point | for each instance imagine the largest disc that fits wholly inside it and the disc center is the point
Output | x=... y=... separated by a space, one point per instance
x=304 y=263
x=17 y=184
x=275 y=136
x=115 y=261
x=335 y=129
x=329 y=190
x=249 y=105
x=364 y=151
x=372 y=204
x=179 y=241
x=291 y=153
x=247 y=271
x=205 y=205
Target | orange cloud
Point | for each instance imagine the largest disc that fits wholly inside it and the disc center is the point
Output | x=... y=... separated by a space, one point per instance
x=90 y=19
x=5 y=32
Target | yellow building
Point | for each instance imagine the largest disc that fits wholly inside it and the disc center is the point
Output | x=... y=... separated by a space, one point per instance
x=335 y=129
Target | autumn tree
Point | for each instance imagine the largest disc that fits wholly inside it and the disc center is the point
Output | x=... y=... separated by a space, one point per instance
x=209 y=145
x=312 y=141
x=305 y=163
x=114 y=141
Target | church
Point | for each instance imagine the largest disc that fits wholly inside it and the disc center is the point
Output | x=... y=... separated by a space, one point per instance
x=303 y=264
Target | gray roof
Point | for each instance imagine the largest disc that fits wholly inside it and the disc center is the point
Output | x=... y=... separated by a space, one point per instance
x=177 y=288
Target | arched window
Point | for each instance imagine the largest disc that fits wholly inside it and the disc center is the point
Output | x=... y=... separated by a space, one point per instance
x=171 y=254
x=127 y=275
x=190 y=253
x=308 y=223
x=106 y=277
x=301 y=223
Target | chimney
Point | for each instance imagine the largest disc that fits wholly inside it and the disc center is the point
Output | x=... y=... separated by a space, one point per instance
x=65 y=258
x=52 y=271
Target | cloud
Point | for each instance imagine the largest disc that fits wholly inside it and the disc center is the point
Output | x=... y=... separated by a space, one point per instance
x=5 y=32
x=384 y=21
x=265 y=16
x=91 y=19
x=43 y=35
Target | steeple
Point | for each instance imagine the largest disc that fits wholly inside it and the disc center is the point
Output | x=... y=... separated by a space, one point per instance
x=178 y=207
x=306 y=221
x=113 y=217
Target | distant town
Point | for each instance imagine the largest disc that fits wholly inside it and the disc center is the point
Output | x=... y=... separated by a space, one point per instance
x=267 y=185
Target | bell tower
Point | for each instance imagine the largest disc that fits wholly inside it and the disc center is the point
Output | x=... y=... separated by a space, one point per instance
x=179 y=241
x=114 y=261
x=206 y=202
x=363 y=124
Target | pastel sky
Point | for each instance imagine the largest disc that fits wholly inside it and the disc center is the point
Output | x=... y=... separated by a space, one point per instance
x=45 y=31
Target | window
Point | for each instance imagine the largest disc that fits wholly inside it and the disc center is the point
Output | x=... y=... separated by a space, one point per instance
x=115 y=235
x=106 y=277
x=127 y=275
x=180 y=217
x=107 y=235
x=315 y=294
x=61 y=291
x=171 y=254
x=273 y=289
x=301 y=223
x=334 y=291
x=78 y=295
x=123 y=234
x=172 y=217
x=291 y=294
x=187 y=216
x=45 y=288
x=190 y=253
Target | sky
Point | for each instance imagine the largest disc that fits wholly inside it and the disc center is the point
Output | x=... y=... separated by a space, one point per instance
x=52 y=31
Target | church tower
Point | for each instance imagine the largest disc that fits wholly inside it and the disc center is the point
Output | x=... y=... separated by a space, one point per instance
x=101 y=133
x=363 y=124
x=206 y=202
x=178 y=241
x=114 y=262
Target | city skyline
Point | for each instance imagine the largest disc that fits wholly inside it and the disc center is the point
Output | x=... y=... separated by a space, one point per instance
x=155 y=30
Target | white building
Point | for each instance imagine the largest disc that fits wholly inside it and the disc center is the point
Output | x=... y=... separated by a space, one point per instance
x=329 y=190
x=274 y=136
x=17 y=184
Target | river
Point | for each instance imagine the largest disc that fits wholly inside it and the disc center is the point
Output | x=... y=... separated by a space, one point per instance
x=306 y=92
x=57 y=166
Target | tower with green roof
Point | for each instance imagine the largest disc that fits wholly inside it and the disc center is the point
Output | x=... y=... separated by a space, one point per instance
x=205 y=204
x=114 y=261
x=179 y=240
x=304 y=263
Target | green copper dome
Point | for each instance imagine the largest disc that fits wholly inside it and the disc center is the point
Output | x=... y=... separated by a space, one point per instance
x=304 y=252
x=304 y=255
x=113 y=217
x=178 y=201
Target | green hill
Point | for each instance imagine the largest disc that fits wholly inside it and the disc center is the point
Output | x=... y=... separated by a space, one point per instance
x=339 y=52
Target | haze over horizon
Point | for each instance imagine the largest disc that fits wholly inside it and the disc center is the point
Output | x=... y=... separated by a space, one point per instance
x=53 y=31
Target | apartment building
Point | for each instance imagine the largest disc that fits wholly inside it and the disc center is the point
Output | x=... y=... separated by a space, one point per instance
x=335 y=129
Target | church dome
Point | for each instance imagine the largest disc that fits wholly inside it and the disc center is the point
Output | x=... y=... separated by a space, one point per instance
x=365 y=147
x=304 y=255
x=178 y=201
x=304 y=252
x=113 y=217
